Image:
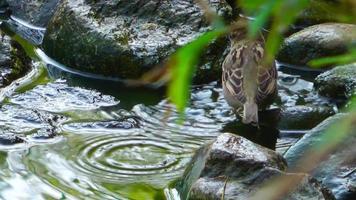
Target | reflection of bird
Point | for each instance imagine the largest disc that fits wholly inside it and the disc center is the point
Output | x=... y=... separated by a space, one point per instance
x=247 y=84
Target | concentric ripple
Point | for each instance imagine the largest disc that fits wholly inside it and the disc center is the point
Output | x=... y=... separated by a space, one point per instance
x=110 y=164
x=122 y=159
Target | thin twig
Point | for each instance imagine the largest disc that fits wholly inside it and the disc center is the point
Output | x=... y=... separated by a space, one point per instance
x=224 y=188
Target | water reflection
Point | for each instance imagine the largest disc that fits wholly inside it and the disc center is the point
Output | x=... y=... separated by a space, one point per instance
x=129 y=95
x=267 y=132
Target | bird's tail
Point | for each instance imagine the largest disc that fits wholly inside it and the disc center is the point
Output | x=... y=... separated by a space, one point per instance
x=250 y=114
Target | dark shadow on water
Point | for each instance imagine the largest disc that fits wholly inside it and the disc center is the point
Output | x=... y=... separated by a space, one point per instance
x=265 y=135
x=128 y=96
x=308 y=74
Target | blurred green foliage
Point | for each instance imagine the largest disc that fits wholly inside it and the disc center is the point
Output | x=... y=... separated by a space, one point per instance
x=183 y=64
x=347 y=58
x=282 y=13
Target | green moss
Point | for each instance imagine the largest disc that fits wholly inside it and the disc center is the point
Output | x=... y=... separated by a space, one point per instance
x=41 y=79
x=20 y=62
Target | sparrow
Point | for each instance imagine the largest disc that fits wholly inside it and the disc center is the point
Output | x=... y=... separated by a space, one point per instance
x=248 y=84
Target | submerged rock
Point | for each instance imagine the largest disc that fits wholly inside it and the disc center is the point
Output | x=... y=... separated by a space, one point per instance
x=236 y=168
x=339 y=82
x=337 y=172
x=45 y=133
x=37 y=12
x=14 y=62
x=18 y=120
x=112 y=125
x=127 y=38
x=59 y=97
x=10 y=139
x=317 y=41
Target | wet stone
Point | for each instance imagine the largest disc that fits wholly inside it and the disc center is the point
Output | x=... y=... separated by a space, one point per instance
x=237 y=168
x=14 y=62
x=339 y=83
x=304 y=117
x=10 y=139
x=337 y=172
x=45 y=133
x=59 y=97
x=16 y=119
x=127 y=38
x=124 y=123
x=37 y=12
x=301 y=106
x=317 y=41
x=127 y=123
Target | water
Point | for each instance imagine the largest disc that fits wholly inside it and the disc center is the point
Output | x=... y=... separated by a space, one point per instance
x=81 y=136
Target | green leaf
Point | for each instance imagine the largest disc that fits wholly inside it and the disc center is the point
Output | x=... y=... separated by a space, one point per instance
x=260 y=20
x=335 y=60
x=284 y=14
x=183 y=65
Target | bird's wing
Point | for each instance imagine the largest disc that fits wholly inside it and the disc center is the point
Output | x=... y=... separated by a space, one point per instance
x=232 y=78
x=267 y=77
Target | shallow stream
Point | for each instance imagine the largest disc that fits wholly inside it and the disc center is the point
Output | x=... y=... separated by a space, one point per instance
x=79 y=136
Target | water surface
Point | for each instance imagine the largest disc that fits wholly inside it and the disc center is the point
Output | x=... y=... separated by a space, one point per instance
x=82 y=136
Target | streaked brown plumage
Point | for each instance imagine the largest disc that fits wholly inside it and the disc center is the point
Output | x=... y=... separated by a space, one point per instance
x=246 y=83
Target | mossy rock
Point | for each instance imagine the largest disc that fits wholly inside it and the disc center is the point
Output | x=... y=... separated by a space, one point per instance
x=125 y=39
x=339 y=82
x=14 y=62
x=37 y=12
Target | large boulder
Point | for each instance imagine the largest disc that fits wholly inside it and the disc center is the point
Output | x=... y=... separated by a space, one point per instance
x=127 y=38
x=339 y=82
x=317 y=41
x=14 y=62
x=37 y=12
x=337 y=172
x=236 y=168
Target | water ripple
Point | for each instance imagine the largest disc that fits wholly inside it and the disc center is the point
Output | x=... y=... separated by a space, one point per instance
x=115 y=158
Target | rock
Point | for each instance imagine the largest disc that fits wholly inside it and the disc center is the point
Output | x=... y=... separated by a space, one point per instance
x=241 y=167
x=17 y=120
x=14 y=62
x=45 y=134
x=339 y=82
x=317 y=41
x=301 y=106
x=337 y=172
x=304 y=116
x=117 y=124
x=58 y=97
x=127 y=38
x=10 y=139
x=37 y=12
